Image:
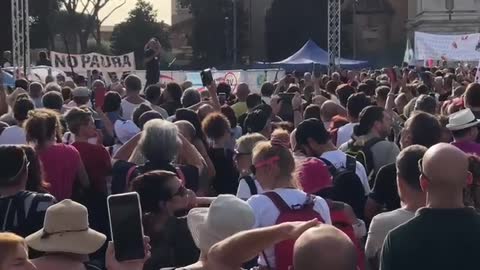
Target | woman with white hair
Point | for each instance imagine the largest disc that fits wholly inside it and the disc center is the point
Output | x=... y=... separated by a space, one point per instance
x=161 y=145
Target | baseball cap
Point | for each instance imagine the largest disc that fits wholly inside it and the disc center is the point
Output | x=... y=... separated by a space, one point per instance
x=258 y=118
x=314 y=175
x=81 y=92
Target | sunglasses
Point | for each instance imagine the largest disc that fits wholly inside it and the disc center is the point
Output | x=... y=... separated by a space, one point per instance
x=263 y=163
x=182 y=191
x=237 y=154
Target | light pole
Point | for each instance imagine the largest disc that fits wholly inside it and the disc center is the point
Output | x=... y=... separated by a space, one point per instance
x=354 y=28
x=449 y=5
x=234 y=32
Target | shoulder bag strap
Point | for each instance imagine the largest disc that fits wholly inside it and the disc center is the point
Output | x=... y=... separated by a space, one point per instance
x=351 y=163
x=331 y=168
x=251 y=184
x=281 y=205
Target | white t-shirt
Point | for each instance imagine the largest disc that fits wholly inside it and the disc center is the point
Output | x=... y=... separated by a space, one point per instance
x=13 y=135
x=345 y=133
x=128 y=108
x=339 y=160
x=381 y=225
x=243 y=191
x=266 y=213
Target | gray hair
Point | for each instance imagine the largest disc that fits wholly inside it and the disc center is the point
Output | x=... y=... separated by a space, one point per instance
x=53 y=87
x=190 y=97
x=159 y=141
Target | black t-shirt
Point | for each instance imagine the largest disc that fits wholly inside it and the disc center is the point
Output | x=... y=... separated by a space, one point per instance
x=434 y=239
x=172 y=246
x=124 y=172
x=44 y=62
x=152 y=68
x=384 y=190
x=477 y=115
x=226 y=178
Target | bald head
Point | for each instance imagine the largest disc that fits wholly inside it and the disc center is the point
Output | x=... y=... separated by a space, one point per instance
x=186 y=129
x=205 y=110
x=329 y=109
x=324 y=248
x=242 y=91
x=446 y=169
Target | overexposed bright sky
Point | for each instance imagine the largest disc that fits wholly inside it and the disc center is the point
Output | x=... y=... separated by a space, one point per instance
x=163 y=8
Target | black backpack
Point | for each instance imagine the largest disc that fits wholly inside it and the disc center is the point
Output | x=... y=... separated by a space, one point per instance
x=364 y=155
x=347 y=186
x=19 y=214
x=251 y=184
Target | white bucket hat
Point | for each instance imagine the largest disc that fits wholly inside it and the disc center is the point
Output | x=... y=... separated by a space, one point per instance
x=462 y=120
x=226 y=216
x=66 y=229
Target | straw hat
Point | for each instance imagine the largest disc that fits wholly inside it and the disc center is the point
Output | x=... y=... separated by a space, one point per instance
x=462 y=120
x=66 y=229
x=226 y=216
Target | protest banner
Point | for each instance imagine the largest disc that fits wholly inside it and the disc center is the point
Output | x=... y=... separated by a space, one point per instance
x=447 y=47
x=111 y=67
x=254 y=78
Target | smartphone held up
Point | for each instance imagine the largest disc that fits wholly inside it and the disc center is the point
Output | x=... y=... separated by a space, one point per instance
x=125 y=215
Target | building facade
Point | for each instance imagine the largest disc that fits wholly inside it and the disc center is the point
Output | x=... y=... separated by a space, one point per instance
x=432 y=16
x=180 y=12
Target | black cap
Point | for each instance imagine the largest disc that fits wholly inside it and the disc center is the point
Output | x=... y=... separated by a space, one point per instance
x=314 y=129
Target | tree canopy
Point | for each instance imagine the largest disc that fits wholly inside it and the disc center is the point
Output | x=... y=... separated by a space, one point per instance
x=290 y=24
x=212 y=37
x=137 y=29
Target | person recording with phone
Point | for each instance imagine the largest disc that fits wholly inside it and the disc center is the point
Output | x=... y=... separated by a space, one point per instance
x=164 y=199
x=153 y=49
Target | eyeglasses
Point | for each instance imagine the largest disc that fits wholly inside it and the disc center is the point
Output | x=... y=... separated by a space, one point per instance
x=263 y=163
x=420 y=169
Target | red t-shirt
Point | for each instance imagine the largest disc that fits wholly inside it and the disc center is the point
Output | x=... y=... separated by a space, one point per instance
x=96 y=160
x=61 y=163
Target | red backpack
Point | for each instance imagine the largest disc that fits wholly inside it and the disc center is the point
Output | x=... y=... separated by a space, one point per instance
x=342 y=222
x=304 y=212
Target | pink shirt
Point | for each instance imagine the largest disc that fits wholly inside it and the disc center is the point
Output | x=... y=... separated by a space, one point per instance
x=61 y=163
x=468 y=147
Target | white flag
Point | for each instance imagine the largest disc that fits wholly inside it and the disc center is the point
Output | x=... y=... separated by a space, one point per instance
x=409 y=55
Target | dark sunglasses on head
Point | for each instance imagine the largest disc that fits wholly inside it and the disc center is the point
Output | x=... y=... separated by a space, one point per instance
x=238 y=154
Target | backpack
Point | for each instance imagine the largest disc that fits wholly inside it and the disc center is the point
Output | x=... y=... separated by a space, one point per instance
x=347 y=186
x=303 y=212
x=251 y=184
x=342 y=222
x=19 y=214
x=364 y=154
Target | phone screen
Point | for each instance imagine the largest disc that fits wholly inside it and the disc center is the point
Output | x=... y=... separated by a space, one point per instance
x=100 y=96
x=222 y=98
x=207 y=77
x=392 y=75
x=126 y=226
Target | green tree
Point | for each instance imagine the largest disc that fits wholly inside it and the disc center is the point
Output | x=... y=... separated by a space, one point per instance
x=42 y=15
x=140 y=26
x=212 y=37
x=291 y=23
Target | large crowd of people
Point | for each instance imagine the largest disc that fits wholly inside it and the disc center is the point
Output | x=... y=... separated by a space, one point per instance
x=356 y=170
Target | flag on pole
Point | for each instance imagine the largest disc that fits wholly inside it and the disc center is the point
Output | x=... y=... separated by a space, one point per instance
x=409 y=56
x=477 y=76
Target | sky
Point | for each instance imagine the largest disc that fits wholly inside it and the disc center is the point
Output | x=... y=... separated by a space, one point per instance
x=163 y=8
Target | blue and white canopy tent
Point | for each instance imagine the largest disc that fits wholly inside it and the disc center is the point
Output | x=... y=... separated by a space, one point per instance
x=312 y=55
